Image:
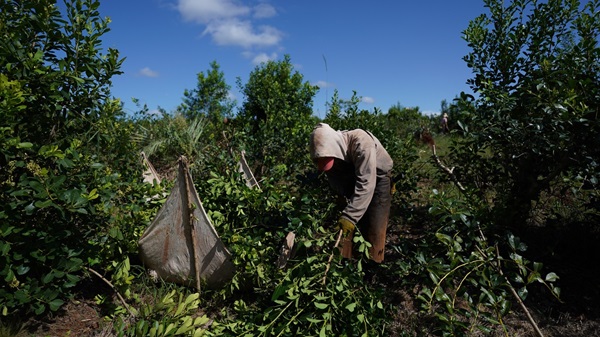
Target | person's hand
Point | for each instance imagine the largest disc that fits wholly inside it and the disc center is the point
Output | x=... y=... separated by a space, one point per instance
x=345 y=225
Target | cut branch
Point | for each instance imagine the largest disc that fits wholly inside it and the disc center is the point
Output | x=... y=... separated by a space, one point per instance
x=113 y=287
x=337 y=242
x=449 y=171
x=518 y=298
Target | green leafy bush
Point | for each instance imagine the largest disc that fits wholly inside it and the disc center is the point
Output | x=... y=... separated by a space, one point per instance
x=535 y=67
x=64 y=153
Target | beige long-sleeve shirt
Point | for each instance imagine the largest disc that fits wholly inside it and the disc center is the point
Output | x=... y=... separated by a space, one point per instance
x=359 y=158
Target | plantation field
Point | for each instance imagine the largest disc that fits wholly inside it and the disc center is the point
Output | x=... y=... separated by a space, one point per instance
x=577 y=315
x=494 y=224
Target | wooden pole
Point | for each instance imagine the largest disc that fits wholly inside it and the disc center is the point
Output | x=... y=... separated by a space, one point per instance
x=190 y=219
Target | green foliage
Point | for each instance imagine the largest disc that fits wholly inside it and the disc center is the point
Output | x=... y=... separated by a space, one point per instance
x=298 y=301
x=59 y=130
x=167 y=138
x=522 y=143
x=409 y=118
x=468 y=284
x=210 y=98
x=253 y=224
x=171 y=314
x=50 y=213
x=306 y=300
x=58 y=58
x=536 y=71
x=73 y=201
x=276 y=118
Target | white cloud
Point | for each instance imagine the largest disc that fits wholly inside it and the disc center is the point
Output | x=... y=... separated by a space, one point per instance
x=206 y=11
x=430 y=113
x=231 y=95
x=147 y=72
x=264 y=10
x=228 y=22
x=323 y=84
x=263 y=57
x=368 y=100
x=242 y=33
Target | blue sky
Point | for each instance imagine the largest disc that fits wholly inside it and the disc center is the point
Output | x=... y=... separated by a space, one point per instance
x=388 y=51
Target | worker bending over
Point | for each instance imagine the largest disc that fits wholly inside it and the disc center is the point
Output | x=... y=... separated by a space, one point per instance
x=358 y=168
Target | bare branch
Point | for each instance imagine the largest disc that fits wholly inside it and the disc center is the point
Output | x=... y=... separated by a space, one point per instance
x=337 y=242
x=449 y=171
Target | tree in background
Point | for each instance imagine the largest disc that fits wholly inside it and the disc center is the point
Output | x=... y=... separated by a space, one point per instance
x=536 y=69
x=411 y=118
x=194 y=129
x=210 y=98
x=277 y=112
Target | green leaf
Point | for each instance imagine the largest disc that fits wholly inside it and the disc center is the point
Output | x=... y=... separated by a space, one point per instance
x=201 y=320
x=4 y=248
x=19 y=193
x=321 y=305
x=55 y=304
x=21 y=270
x=280 y=290
x=24 y=145
x=40 y=308
x=29 y=208
x=92 y=195
x=350 y=307
x=66 y=163
x=511 y=241
x=523 y=292
x=43 y=204
x=484 y=328
x=551 y=277
x=323 y=332
x=51 y=151
x=48 y=277
x=72 y=280
x=170 y=329
x=21 y=296
x=81 y=210
x=37 y=186
x=519 y=279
